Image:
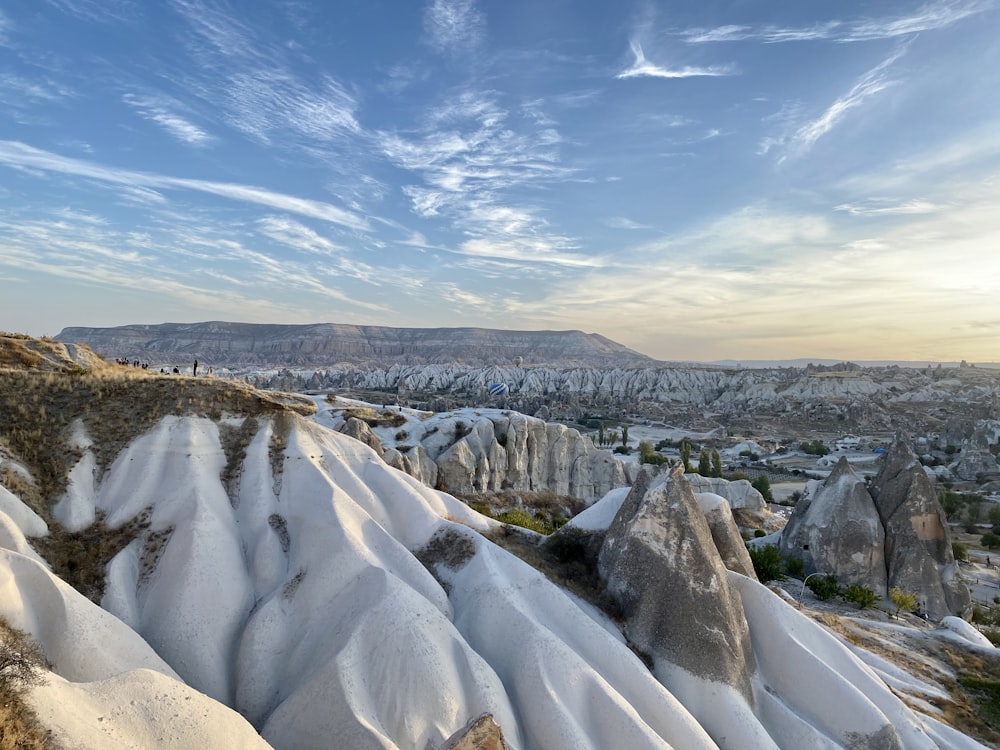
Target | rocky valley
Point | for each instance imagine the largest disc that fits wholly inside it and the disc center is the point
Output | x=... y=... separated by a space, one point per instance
x=208 y=565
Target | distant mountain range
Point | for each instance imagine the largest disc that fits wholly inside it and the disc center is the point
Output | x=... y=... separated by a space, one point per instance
x=326 y=344
x=755 y=364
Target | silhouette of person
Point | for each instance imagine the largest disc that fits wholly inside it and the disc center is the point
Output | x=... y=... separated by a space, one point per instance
x=195 y=367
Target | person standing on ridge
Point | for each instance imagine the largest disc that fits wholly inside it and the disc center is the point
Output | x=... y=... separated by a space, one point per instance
x=195 y=372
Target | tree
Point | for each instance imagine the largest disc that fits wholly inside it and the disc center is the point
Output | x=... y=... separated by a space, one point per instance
x=625 y=435
x=686 y=455
x=704 y=463
x=951 y=504
x=716 y=463
x=600 y=434
x=990 y=541
x=763 y=485
x=994 y=517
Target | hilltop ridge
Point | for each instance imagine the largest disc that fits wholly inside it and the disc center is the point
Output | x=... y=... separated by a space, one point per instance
x=231 y=343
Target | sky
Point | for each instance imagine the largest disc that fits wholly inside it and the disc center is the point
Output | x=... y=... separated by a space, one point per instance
x=698 y=181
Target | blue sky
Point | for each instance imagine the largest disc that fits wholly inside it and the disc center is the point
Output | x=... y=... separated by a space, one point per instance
x=698 y=180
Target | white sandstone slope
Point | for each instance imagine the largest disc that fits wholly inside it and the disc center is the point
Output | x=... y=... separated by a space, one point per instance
x=336 y=602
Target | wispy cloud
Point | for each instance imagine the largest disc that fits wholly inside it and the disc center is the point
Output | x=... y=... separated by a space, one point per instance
x=796 y=134
x=22 y=156
x=929 y=17
x=641 y=67
x=160 y=109
x=296 y=235
x=100 y=11
x=15 y=89
x=470 y=158
x=454 y=26
x=5 y=29
x=871 y=83
x=524 y=253
x=620 y=222
x=889 y=208
x=260 y=93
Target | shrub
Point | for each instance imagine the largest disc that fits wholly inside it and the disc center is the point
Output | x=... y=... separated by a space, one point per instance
x=960 y=551
x=21 y=659
x=794 y=566
x=904 y=600
x=766 y=563
x=758 y=533
x=863 y=595
x=824 y=587
x=521 y=517
x=990 y=541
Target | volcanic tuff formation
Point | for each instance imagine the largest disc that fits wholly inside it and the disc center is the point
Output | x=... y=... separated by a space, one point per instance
x=895 y=536
x=270 y=564
x=326 y=344
x=473 y=451
x=871 y=398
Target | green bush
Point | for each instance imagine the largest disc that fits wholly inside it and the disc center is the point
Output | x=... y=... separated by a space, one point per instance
x=990 y=541
x=863 y=595
x=960 y=551
x=758 y=533
x=824 y=587
x=794 y=567
x=766 y=563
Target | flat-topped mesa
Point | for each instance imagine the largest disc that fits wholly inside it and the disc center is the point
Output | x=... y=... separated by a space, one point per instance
x=918 y=550
x=835 y=530
x=326 y=344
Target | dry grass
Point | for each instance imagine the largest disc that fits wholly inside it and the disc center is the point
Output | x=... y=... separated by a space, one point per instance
x=21 y=665
x=44 y=393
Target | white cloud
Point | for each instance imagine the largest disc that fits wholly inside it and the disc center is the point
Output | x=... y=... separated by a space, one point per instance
x=886 y=208
x=641 y=67
x=528 y=252
x=620 y=222
x=5 y=28
x=454 y=26
x=296 y=235
x=930 y=17
x=19 y=155
x=158 y=109
x=871 y=83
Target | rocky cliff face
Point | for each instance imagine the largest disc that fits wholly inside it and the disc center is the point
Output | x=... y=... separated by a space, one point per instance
x=474 y=451
x=884 y=398
x=326 y=344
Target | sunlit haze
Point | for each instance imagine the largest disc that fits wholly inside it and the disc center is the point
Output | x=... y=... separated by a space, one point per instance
x=695 y=180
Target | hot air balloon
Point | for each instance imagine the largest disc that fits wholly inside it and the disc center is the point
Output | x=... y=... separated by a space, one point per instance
x=498 y=389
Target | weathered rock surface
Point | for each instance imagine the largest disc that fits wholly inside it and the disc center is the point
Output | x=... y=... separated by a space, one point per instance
x=482 y=733
x=918 y=549
x=331 y=343
x=495 y=451
x=740 y=494
x=975 y=459
x=836 y=530
x=661 y=564
x=359 y=430
x=725 y=533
